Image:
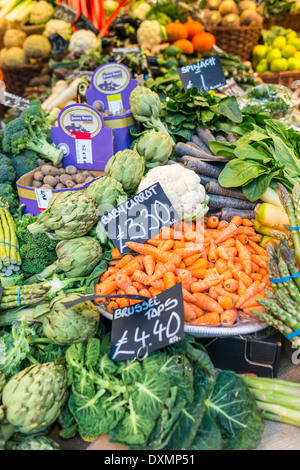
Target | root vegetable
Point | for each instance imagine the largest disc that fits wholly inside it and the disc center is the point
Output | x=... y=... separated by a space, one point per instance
x=196 y=140
x=47 y=186
x=218 y=202
x=50 y=180
x=49 y=170
x=227 y=213
x=64 y=178
x=200 y=167
x=36 y=184
x=71 y=170
x=60 y=186
x=80 y=178
x=70 y=184
x=89 y=179
x=205 y=135
x=38 y=176
x=86 y=173
x=214 y=188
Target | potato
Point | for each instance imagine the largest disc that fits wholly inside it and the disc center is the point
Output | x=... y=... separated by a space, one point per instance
x=36 y=184
x=61 y=171
x=49 y=170
x=51 y=180
x=47 y=186
x=38 y=176
x=86 y=173
x=80 y=178
x=64 y=178
x=89 y=179
x=71 y=170
x=70 y=184
x=60 y=186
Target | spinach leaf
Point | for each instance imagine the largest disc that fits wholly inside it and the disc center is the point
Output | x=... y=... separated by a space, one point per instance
x=229 y=107
x=246 y=152
x=224 y=149
x=240 y=172
x=254 y=190
x=235 y=411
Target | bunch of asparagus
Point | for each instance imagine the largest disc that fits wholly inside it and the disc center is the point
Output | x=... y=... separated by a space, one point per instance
x=291 y=204
x=278 y=400
x=10 y=259
x=282 y=304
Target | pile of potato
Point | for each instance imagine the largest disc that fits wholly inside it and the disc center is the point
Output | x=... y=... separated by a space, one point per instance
x=52 y=177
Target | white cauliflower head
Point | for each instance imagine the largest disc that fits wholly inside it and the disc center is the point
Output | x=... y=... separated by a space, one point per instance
x=150 y=34
x=83 y=40
x=60 y=27
x=140 y=9
x=40 y=12
x=14 y=38
x=183 y=188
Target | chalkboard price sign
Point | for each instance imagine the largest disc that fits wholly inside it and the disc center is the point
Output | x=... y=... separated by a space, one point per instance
x=140 y=218
x=207 y=74
x=13 y=101
x=147 y=326
x=58 y=43
x=66 y=13
x=84 y=23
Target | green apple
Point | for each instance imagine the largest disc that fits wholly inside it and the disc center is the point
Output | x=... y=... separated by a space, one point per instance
x=279 y=42
x=262 y=66
x=279 y=65
x=274 y=54
x=295 y=42
x=288 y=51
x=293 y=63
x=259 y=51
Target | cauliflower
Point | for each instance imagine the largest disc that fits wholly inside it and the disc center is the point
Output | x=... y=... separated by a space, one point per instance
x=36 y=46
x=83 y=40
x=150 y=34
x=40 y=12
x=14 y=38
x=140 y=10
x=110 y=6
x=182 y=187
x=12 y=57
x=60 y=27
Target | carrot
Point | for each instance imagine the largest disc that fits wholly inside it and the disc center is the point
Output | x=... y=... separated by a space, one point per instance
x=255 y=268
x=252 y=290
x=251 y=303
x=209 y=319
x=189 y=313
x=192 y=259
x=229 y=243
x=112 y=306
x=212 y=254
x=154 y=242
x=258 y=249
x=160 y=285
x=228 y=317
x=132 y=291
x=257 y=259
x=257 y=238
x=138 y=286
x=125 y=260
x=247 y=223
x=169 y=280
x=231 y=285
x=243 y=239
x=161 y=269
x=206 y=303
x=154 y=292
x=222 y=225
x=244 y=256
x=166 y=245
x=131 y=267
x=144 y=293
x=249 y=231
x=237 y=220
x=240 y=276
x=190 y=235
x=222 y=253
x=185 y=277
x=198 y=273
x=201 y=286
x=221 y=266
x=115 y=253
x=140 y=276
x=226 y=301
x=123 y=281
x=199 y=264
x=212 y=222
x=256 y=276
x=123 y=302
x=179 y=244
x=182 y=265
x=198 y=311
x=185 y=253
x=149 y=264
x=242 y=289
x=104 y=276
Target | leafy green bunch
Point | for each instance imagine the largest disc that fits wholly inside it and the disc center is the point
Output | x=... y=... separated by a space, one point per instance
x=173 y=400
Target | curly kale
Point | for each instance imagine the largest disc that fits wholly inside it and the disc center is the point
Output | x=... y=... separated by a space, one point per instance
x=24 y=163
x=37 y=251
x=27 y=132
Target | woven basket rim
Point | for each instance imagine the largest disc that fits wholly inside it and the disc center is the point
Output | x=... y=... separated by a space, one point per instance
x=287 y=73
x=228 y=28
x=37 y=64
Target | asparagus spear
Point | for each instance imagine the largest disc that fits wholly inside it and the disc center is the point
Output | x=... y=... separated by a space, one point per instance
x=288 y=204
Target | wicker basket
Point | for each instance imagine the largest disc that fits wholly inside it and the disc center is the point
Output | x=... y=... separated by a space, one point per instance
x=237 y=41
x=16 y=79
x=286 y=20
x=289 y=79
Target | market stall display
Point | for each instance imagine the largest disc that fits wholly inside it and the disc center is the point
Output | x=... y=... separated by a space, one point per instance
x=149 y=175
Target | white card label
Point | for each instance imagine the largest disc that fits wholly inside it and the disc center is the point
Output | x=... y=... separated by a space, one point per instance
x=43 y=197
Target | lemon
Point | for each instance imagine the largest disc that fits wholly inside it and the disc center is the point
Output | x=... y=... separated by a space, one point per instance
x=279 y=65
x=290 y=33
x=262 y=66
x=274 y=54
x=288 y=51
x=259 y=51
x=293 y=63
x=297 y=55
x=295 y=42
x=279 y=42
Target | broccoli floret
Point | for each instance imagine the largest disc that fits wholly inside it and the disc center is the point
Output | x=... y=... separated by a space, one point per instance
x=37 y=251
x=10 y=196
x=24 y=163
x=7 y=171
x=27 y=133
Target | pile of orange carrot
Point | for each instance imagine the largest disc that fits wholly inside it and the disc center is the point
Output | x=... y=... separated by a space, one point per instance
x=222 y=277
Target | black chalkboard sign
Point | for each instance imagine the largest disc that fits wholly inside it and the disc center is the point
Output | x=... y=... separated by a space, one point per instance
x=58 y=43
x=13 y=101
x=66 y=13
x=140 y=218
x=84 y=23
x=207 y=74
x=149 y=325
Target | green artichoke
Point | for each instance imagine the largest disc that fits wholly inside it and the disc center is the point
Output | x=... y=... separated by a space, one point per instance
x=73 y=325
x=69 y=215
x=76 y=258
x=156 y=148
x=146 y=108
x=2 y=383
x=33 y=398
x=107 y=192
x=37 y=443
x=128 y=168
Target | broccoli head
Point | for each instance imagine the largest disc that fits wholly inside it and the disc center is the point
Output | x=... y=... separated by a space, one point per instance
x=10 y=196
x=24 y=163
x=27 y=133
x=7 y=171
x=37 y=251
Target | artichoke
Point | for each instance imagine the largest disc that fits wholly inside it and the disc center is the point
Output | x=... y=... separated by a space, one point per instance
x=33 y=398
x=73 y=325
x=155 y=147
x=76 y=258
x=128 y=168
x=107 y=192
x=69 y=215
x=37 y=443
x=146 y=108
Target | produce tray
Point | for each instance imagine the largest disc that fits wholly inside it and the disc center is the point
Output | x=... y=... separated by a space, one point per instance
x=211 y=332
